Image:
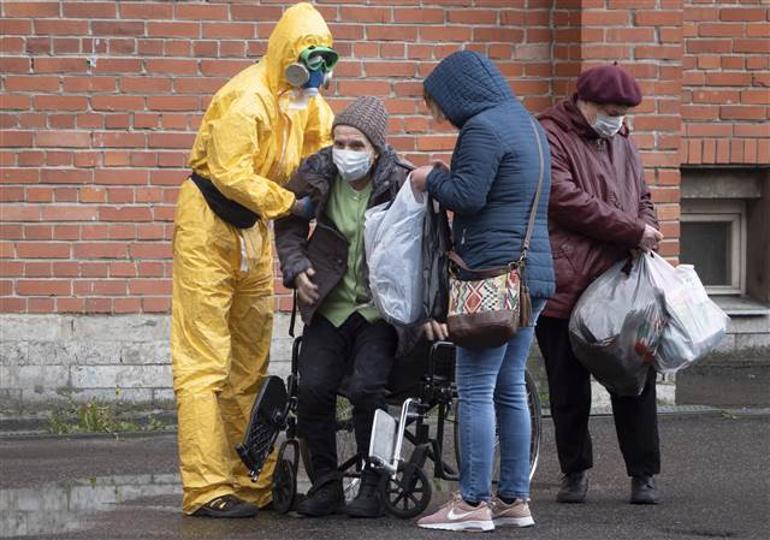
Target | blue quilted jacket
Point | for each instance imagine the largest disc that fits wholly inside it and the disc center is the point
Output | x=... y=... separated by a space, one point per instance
x=494 y=169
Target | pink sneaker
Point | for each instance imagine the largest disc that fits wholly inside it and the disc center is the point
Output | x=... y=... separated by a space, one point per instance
x=516 y=514
x=457 y=515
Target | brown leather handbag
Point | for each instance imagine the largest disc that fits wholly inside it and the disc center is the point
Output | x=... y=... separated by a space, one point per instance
x=487 y=310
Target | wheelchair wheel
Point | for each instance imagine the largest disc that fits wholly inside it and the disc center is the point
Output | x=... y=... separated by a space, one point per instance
x=347 y=456
x=408 y=494
x=536 y=424
x=284 y=486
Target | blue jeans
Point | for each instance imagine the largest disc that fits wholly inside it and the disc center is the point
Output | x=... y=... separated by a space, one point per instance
x=491 y=391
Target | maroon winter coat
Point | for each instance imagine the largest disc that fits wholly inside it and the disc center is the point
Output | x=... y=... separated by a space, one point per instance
x=599 y=202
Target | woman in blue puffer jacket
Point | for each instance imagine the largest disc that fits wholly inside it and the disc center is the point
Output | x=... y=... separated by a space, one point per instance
x=490 y=188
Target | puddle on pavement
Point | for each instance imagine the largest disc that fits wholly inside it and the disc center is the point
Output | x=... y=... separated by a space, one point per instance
x=67 y=506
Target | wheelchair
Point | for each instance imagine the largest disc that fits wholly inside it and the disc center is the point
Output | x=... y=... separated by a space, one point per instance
x=422 y=386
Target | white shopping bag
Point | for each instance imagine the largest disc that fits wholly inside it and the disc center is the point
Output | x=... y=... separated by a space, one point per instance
x=696 y=324
x=393 y=243
x=393 y=234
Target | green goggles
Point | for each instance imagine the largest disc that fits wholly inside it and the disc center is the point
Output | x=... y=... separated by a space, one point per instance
x=319 y=58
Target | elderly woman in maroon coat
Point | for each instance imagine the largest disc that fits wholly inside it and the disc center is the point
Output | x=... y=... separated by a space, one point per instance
x=600 y=209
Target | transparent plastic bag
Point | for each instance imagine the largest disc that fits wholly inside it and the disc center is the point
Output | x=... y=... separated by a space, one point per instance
x=696 y=324
x=616 y=326
x=393 y=234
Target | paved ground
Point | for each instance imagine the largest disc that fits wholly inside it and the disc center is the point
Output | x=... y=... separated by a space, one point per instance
x=715 y=484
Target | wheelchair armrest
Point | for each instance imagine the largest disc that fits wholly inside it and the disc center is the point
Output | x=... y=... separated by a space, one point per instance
x=435 y=350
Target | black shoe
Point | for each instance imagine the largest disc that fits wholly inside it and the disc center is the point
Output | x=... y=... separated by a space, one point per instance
x=324 y=498
x=643 y=490
x=226 y=506
x=368 y=502
x=573 y=488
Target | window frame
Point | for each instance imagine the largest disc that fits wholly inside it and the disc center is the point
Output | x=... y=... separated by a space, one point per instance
x=723 y=211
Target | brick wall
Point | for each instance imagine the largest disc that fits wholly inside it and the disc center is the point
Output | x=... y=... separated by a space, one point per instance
x=101 y=100
x=726 y=82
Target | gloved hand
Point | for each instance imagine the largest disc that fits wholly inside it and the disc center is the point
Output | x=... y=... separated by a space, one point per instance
x=304 y=208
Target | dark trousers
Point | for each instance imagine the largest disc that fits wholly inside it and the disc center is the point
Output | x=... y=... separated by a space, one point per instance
x=569 y=385
x=360 y=349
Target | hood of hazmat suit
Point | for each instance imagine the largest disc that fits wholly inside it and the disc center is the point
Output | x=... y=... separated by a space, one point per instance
x=249 y=143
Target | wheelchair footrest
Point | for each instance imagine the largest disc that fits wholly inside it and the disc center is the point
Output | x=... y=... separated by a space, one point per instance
x=268 y=418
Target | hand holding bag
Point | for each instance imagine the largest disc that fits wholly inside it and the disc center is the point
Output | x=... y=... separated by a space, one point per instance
x=487 y=310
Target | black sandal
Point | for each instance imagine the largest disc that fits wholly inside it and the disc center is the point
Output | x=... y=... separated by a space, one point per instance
x=226 y=506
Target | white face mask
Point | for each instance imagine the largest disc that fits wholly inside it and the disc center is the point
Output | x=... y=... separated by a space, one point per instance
x=352 y=165
x=607 y=126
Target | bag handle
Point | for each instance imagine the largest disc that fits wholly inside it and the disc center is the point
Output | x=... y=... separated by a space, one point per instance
x=536 y=201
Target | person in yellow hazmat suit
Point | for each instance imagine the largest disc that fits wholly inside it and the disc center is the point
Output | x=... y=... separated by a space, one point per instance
x=256 y=131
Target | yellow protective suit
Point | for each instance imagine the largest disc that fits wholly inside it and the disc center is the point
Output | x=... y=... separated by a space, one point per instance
x=222 y=312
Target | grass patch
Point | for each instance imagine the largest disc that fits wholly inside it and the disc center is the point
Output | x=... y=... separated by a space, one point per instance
x=95 y=416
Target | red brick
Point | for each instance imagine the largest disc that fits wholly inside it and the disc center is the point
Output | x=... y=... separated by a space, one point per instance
x=126 y=305
x=172 y=103
x=375 y=14
x=90 y=10
x=150 y=250
x=742 y=112
x=70 y=27
x=30 y=287
x=469 y=16
x=156 y=304
x=201 y=12
x=71 y=139
x=61 y=103
x=117 y=103
x=145 y=10
x=117 y=28
x=31 y=9
x=392 y=33
x=14 y=65
x=149 y=287
x=42 y=250
x=119 y=66
x=759 y=46
x=70 y=305
x=38 y=232
x=126 y=213
x=229 y=30
x=171 y=140
x=226 y=68
x=658 y=18
x=89 y=84
x=98 y=305
x=629 y=35
x=100 y=250
x=736 y=151
x=728 y=79
x=174 y=29
x=119 y=47
x=756 y=97
x=248 y=12
x=742 y=14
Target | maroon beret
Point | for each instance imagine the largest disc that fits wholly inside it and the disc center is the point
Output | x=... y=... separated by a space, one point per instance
x=609 y=84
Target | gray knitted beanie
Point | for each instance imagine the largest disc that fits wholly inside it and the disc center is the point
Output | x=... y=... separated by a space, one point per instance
x=367 y=114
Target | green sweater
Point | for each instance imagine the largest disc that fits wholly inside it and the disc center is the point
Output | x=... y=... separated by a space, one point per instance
x=346 y=208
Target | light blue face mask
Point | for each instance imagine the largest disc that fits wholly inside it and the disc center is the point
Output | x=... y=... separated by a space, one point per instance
x=607 y=126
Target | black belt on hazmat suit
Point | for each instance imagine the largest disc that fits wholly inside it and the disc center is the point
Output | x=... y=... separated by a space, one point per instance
x=226 y=209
